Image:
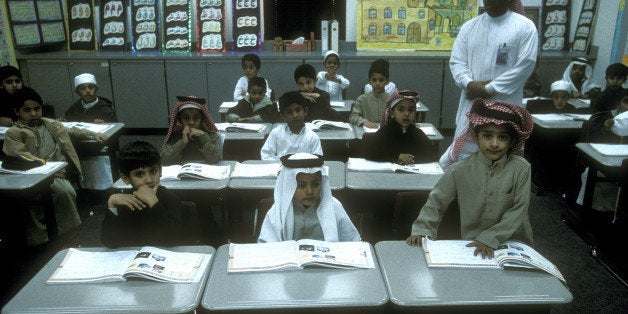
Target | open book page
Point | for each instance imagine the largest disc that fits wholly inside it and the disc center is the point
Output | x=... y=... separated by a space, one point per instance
x=163 y=265
x=318 y=125
x=4 y=129
x=454 y=253
x=262 y=256
x=170 y=173
x=85 y=266
x=228 y=104
x=427 y=168
x=552 y=117
x=516 y=254
x=256 y=170
x=335 y=254
x=340 y=104
x=240 y=127
x=579 y=116
x=361 y=164
x=428 y=130
x=611 y=149
x=43 y=169
x=369 y=130
x=94 y=127
x=203 y=171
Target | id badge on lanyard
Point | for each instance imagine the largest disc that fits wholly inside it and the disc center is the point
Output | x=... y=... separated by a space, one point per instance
x=503 y=54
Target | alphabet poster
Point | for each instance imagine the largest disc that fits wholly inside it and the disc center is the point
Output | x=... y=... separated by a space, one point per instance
x=246 y=25
x=113 y=25
x=411 y=24
x=177 y=30
x=211 y=26
x=81 y=25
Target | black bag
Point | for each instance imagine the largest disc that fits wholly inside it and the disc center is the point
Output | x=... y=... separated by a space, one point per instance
x=21 y=163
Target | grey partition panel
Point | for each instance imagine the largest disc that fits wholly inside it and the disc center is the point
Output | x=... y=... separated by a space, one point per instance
x=99 y=68
x=451 y=96
x=280 y=74
x=50 y=78
x=222 y=77
x=357 y=72
x=186 y=78
x=424 y=77
x=550 y=70
x=140 y=93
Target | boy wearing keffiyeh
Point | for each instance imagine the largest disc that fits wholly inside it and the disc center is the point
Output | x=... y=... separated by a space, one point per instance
x=492 y=185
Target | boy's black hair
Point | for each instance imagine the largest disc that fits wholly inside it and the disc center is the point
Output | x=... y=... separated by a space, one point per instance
x=18 y=98
x=9 y=70
x=617 y=70
x=379 y=66
x=253 y=58
x=304 y=70
x=514 y=136
x=135 y=155
x=290 y=98
x=257 y=81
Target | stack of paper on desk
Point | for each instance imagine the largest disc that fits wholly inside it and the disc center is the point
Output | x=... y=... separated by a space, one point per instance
x=270 y=170
x=194 y=171
x=320 y=125
x=340 y=104
x=240 y=127
x=94 y=127
x=611 y=149
x=44 y=169
x=361 y=164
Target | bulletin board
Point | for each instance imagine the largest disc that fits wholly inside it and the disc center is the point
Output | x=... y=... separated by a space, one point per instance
x=145 y=31
x=177 y=25
x=211 y=26
x=555 y=30
x=247 y=25
x=411 y=24
x=80 y=25
x=36 y=23
x=584 y=30
x=113 y=25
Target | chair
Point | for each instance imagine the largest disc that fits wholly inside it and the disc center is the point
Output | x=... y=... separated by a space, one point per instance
x=407 y=208
x=260 y=213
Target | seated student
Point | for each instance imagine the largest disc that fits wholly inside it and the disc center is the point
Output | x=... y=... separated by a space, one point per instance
x=601 y=123
x=11 y=79
x=492 y=185
x=369 y=108
x=151 y=214
x=611 y=96
x=399 y=140
x=251 y=65
x=388 y=86
x=579 y=74
x=293 y=137
x=255 y=107
x=319 y=100
x=559 y=95
x=90 y=107
x=329 y=80
x=41 y=138
x=304 y=207
x=192 y=135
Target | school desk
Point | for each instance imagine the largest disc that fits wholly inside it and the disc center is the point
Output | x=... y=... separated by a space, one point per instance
x=314 y=289
x=244 y=145
x=336 y=177
x=21 y=188
x=412 y=285
x=335 y=143
x=343 y=106
x=110 y=147
x=421 y=110
x=390 y=181
x=560 y=125
x=132 y=296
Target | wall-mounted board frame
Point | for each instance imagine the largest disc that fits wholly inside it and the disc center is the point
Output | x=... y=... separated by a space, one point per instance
x=36 y=23
x=80 y=25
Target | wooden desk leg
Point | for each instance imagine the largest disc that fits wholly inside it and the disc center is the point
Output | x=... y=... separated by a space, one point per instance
x=49 y=214
x=589 y=190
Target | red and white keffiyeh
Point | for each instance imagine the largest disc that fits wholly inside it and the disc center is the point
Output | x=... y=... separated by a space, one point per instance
x=175 y=125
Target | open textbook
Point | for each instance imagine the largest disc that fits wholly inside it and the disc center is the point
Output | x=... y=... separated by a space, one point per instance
x=148 y=262
x=290 y=255
x=194 y=171
x=320 y=125
x=43 y=169
x=361 y=164
x=240 y=127
x=94 y=127
x=270 y=170
x=511 y=254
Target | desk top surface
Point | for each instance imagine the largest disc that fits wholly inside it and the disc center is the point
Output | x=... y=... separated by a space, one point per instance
x=391 y=181
x=336 y=177
x=138 y=296
x=411 y=283
x=188 y=184
x=558 y=124
x=307 y=288
x=14 y=182
x=230 y=136
x=600 y=159
x=436 y=136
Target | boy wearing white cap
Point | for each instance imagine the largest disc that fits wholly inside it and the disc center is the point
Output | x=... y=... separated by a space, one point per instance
x=330 y=81
x=90 y=108
x=559 y=95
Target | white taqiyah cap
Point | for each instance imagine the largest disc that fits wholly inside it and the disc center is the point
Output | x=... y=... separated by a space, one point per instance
x=620 y=124
x=560 y=85
x=329 y=53
x=84 y=79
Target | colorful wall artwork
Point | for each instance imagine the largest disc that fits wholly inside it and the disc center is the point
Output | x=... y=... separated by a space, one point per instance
x=411 y=24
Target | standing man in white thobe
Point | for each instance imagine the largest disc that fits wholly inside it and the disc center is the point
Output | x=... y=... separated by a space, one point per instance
x=492 y=57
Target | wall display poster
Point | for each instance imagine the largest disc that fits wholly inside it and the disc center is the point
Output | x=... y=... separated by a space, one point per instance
x=177 y=25
x=80 y=25
x=555 y=29
x=145 y=31
x=411 y=24
x=36 y=23
x=211 y=26
x=584 y=30
x=113 y=25
x=246 y=25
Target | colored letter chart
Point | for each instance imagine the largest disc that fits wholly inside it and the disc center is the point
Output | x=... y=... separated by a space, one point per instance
x=211 y=26
x=177 y=31
x=584 y=30
x=555 y=31
x=144 y=22
x=113 y=24
x=36 y=23
x=81 y=25
x=246 y=25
